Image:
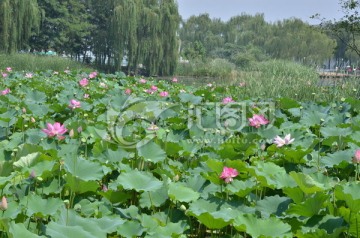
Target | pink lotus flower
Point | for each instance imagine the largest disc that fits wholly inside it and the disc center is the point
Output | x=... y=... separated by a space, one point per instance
x=93 y=75
x=128 y=91
x=227 y=100
x=28 y=75
x=3 y=204
x=281 y=142
x=9 y=69
x=84 y=82
x=79 y=130
x=4 y=75
x=149 y=91
x=55 y=129
x=142 y=81
x=6 y=91
x=228 y=174
x=154 y=88
x=104 y=188
x=74 y=104
x=356 y=158
x=174 y=80
x=258 y=120
x=86 y=95
x=164 y=94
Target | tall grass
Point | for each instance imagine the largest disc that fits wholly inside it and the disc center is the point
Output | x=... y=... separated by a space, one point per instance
x=29 y=62
x=276 y=78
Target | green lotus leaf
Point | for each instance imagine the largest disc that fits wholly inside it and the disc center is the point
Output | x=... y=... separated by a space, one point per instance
x=130 y=229
x=139 y=181
x=257 y=227
x=154 y=198
x=80 y=168
x=19 y=230
x=310 y=207
x=181 y=193
x=151 y=152
x=350 y=193
x=273 y=205
x=42 y=207
x=80 y=186
x=306 y=183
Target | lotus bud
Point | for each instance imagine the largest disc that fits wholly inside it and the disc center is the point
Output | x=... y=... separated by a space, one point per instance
x=3 y=204
x=71 y=133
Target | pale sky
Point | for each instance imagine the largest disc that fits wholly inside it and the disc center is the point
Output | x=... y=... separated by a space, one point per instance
x=273 y=10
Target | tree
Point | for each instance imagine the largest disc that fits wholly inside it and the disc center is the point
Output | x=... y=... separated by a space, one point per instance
x=347 y=29
x=64 y=27
x=18 y=20
x=146 y=32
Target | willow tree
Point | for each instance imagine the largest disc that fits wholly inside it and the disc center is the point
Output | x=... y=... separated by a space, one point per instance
x=18 y=20
x=145 y=31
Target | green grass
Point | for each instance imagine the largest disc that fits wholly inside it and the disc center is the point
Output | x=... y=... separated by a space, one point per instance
x=278 y=78
x=29 y=62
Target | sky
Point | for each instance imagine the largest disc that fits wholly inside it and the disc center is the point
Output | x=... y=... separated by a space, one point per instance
x=273 y=10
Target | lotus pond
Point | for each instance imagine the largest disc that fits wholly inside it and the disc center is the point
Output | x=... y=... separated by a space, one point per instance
x=99 y=155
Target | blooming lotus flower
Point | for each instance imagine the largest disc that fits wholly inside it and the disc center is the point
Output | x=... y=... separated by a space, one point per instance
x=84 y=82
x=3 y=204
x=4 y=75
x=174 y=80
x=28 y=75
x=281 y=142
x=228 y=174
x=227 y=100
x=142 y=81
x=154 y=88
x=164 y=94
x=55 y=129
x=74 y=104
x=8 y=69
x=86 y=95
x=258 y=120
x=6 y=91
x=128 y=91
x=356 y=158
x=153 y=127
x=209 y=85
x=92 y=75
x=102 y=85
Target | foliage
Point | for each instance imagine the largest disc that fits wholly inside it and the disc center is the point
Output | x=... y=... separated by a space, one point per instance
x=19 y=19
x=29 y=62
x=245 y=39
x=141 y=164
